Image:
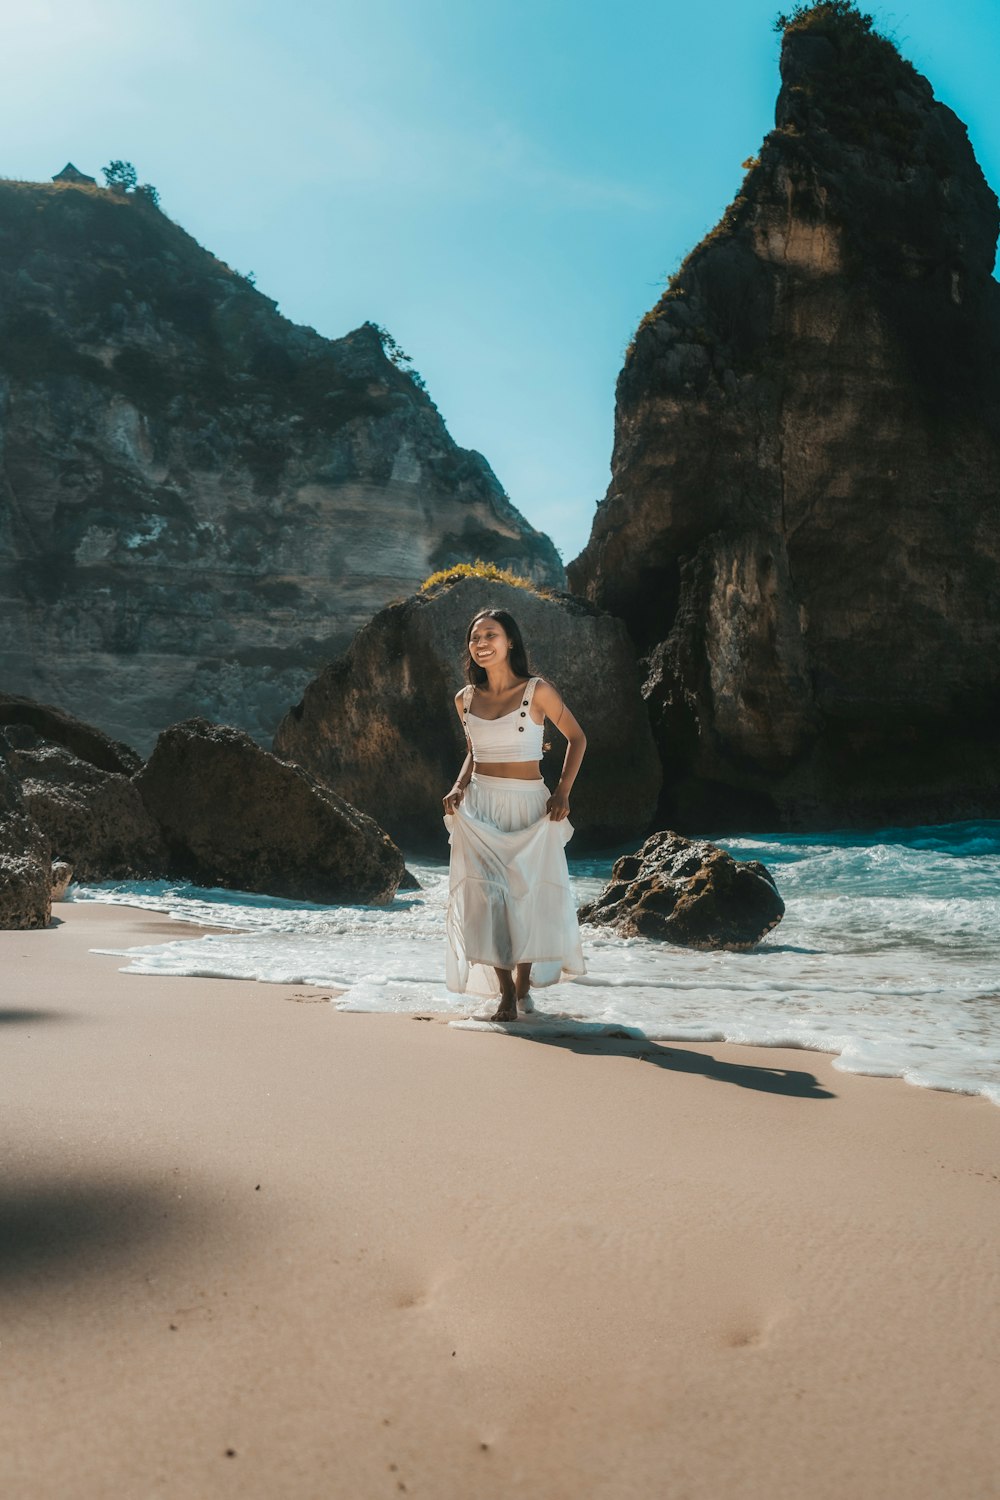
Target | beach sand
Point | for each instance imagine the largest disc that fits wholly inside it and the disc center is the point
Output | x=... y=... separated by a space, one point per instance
x=255 y=1246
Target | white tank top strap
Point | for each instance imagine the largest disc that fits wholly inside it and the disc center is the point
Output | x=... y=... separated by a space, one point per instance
x=529 y=691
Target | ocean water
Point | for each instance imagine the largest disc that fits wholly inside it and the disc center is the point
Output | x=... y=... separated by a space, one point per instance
x=887 y=955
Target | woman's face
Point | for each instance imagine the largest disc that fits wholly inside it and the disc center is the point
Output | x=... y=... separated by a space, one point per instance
x=488 y=643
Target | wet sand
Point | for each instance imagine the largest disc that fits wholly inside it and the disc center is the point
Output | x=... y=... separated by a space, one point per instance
x=254 y=1246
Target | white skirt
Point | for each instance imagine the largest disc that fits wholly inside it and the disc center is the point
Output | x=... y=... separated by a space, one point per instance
x=509 y=900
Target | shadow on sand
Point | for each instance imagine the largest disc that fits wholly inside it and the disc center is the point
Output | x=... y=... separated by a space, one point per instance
x=12 y=1015
x=796 y=1082
x=87 y=1228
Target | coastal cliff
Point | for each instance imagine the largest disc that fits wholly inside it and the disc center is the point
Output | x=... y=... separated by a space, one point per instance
x=802 y=531
x=200 y=501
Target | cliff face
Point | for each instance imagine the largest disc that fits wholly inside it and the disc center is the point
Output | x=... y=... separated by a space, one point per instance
x=801 y=531
x=201 y=502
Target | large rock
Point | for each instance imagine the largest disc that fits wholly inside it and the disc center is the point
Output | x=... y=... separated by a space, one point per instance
x=802 y=530
x=692 y=894
x=201 y=502
x=25 y=856
x=94 y=819
x=380 y=726
x=234 y=815
x=62 y=728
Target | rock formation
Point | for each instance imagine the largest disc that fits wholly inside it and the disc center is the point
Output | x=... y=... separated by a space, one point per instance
x=76 y=785
x=234 y=815
x=200 y=501
x=380 y=727
x=94 y=819
x=691 y=894
x=61 y=728
x=25 y=856
x=802 y=530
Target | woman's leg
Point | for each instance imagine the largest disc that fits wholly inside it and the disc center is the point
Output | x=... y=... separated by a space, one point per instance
x=507 y=1009
x=522 y=983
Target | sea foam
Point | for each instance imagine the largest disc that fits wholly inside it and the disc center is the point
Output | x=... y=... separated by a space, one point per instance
x=887 y=955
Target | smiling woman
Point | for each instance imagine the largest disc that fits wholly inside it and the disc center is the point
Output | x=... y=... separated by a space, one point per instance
x=511 y=920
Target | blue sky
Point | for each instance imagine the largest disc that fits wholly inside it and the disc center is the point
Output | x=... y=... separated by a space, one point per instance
x=504 y=187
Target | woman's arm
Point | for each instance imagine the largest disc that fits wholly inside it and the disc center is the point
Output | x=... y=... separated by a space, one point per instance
x=454 y=797
x=549 y=699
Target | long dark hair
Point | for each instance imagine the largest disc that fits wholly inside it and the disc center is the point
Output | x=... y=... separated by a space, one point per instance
x=476 y=674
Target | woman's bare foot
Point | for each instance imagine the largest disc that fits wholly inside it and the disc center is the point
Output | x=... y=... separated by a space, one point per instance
x=507 y=1009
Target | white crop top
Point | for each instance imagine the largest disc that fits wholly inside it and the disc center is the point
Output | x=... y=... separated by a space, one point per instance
x=514 y=736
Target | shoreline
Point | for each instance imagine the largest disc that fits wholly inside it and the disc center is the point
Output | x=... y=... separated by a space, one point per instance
x=858 y=1053
x=258 y=1245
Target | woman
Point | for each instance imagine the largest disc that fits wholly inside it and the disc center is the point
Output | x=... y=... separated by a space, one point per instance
x=511 y=917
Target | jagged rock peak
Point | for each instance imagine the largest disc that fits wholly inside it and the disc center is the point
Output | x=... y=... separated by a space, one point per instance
x=801 y=527
x=865 y=173
x=200 y=501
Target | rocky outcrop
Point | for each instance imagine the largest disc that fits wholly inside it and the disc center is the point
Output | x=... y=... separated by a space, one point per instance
x=234 y=815
x=61 y=728
x=25 y=856
x=62 y=876
x=76 y=784
x=379 y=725
x=94 y=819
x=692 y=894
x=802 y=530
x=201 y=502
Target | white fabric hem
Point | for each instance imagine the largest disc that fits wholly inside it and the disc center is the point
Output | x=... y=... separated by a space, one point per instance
x=509 y=895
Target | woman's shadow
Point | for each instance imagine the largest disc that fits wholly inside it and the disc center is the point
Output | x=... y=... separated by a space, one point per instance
x=591 y=1039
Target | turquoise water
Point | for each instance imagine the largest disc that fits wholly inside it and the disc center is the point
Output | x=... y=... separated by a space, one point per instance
x=887 y=955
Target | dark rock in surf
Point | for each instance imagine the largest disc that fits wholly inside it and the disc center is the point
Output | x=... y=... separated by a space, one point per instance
x=687 y=892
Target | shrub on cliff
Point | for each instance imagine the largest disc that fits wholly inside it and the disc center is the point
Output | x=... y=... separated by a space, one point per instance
x=859 y=78
x=120 y=174
x=486 y=570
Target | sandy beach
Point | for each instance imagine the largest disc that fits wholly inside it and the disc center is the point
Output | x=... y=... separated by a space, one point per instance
x=255 y=1246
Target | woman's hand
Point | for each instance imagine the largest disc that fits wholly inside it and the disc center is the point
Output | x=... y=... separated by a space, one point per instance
x=453 y=798
x=557 y=806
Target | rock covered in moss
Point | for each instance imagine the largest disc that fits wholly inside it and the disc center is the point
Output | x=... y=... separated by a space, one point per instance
x=687 y=892
x=234 y=815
